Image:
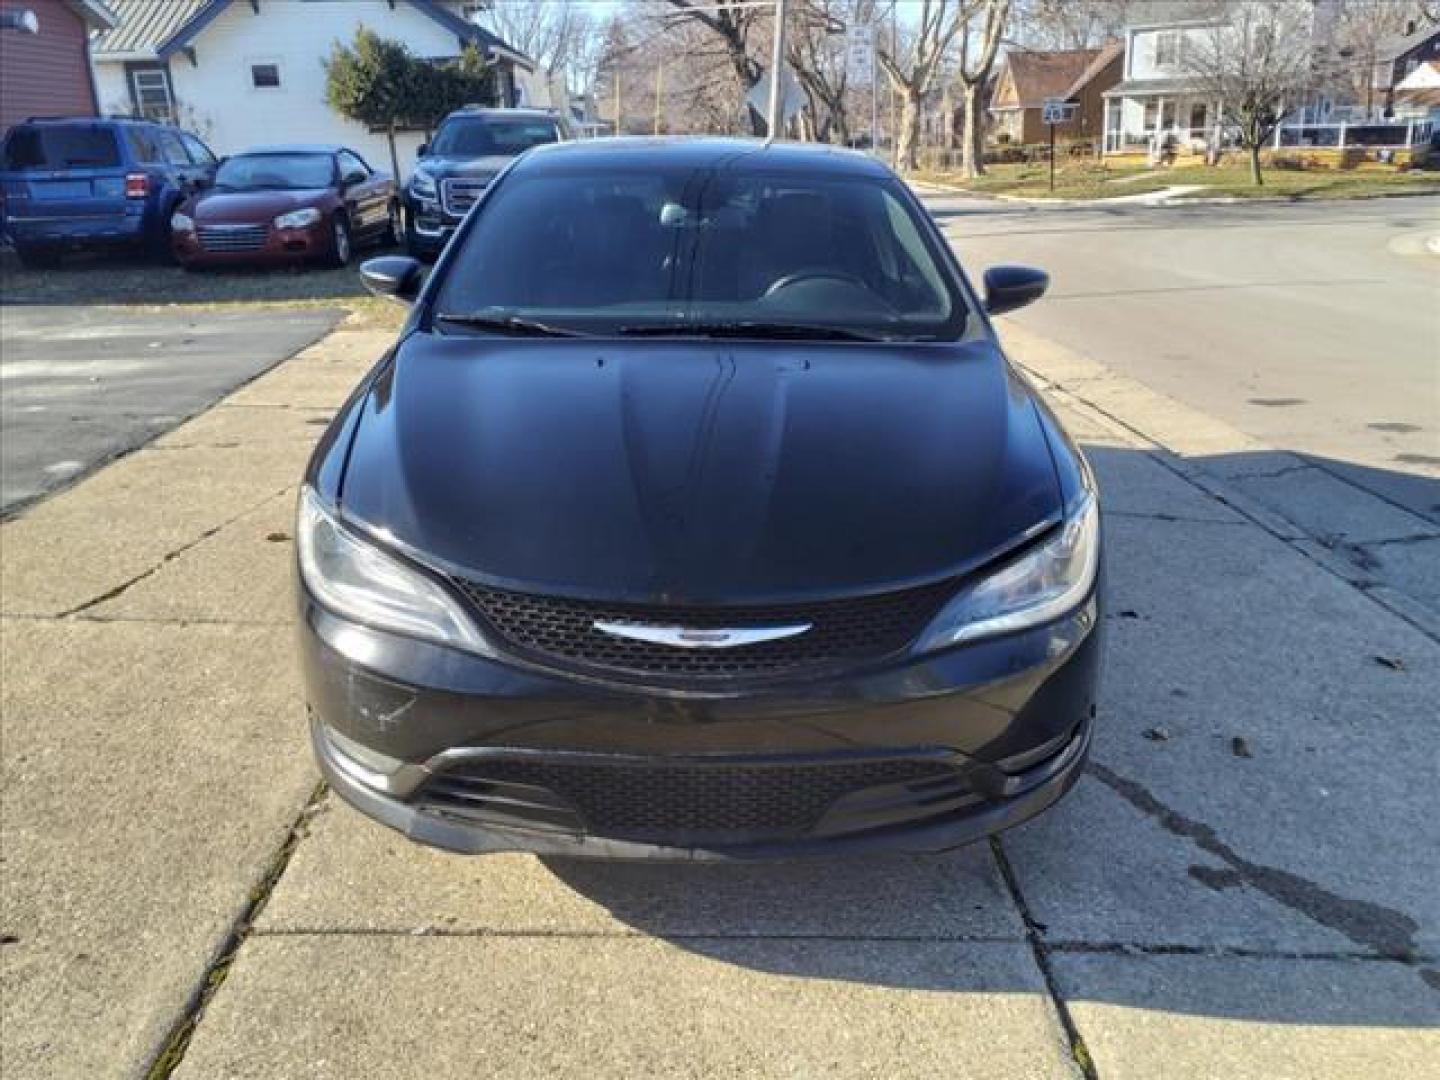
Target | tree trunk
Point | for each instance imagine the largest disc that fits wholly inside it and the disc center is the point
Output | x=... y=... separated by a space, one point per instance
x=1255 y=176
x=394 y=157
x=908 y=150
x=972 y=158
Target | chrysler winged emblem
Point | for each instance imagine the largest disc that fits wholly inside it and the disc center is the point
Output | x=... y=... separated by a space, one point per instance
x=687 y=637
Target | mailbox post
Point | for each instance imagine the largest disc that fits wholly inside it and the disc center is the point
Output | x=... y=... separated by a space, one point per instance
x=1056 y=111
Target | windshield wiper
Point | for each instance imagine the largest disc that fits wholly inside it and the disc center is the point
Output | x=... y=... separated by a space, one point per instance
x=508 y=324
x=772 y=331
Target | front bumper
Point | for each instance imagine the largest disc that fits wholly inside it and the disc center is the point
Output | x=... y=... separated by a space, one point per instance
x=282 y=247
x=954 y=745
x=428 y=226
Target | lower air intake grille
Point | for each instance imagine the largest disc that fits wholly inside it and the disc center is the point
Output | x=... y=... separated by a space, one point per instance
x=842 y=633
x=661 y=801
x=233 y=238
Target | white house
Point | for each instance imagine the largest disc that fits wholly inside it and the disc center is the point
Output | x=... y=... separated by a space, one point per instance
x=1157 y=96
x=242 y=73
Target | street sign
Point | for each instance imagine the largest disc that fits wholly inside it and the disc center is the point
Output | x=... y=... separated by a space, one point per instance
x=792 y=97
x=860 y=53
x=1058 y=111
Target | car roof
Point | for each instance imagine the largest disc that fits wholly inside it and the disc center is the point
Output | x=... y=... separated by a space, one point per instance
x=486 y=113
x=700 y=153
x=293 y=148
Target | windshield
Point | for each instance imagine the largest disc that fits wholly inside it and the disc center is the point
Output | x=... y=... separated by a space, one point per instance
x=484 y=138
x=721 y=252
x=262 y=172
x=63 y=146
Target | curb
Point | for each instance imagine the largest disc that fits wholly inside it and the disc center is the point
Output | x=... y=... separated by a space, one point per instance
x=1170 y=201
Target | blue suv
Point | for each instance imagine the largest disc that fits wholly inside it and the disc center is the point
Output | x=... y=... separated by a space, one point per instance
x=88 y=183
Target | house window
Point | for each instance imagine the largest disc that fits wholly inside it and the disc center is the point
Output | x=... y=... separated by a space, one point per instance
x=1152 y=115
x=1169 y=46
x=265 y=76
x=150 y=93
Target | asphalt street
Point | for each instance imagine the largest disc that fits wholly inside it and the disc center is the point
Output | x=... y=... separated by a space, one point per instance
x=80 y=385
x=1312 y=329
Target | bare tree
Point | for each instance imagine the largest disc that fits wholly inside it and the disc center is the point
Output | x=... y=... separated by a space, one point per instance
x=817 y=54
x=913 y=63
x=1361 y=27
x=984 y=29
x=556 y=34
x=1069 y=24
x=734 y=27
x=1258 y=61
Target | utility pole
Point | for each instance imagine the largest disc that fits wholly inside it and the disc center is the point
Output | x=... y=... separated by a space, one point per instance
x=617 y=99
x=777 y=68
x=659 y=89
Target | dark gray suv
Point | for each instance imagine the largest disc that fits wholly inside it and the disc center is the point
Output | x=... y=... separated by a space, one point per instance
x=469 y=150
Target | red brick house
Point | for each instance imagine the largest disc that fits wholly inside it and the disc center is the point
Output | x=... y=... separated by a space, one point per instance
x=1028 y=77
x=48 y=73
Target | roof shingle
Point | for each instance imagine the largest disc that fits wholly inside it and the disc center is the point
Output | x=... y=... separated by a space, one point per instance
x=1041 y=75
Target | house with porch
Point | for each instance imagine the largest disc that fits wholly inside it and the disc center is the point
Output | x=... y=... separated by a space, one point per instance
x=1157 y=97
x=241 y=73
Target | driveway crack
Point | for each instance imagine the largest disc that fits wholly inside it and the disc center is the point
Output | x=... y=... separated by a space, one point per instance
x=1038 y=948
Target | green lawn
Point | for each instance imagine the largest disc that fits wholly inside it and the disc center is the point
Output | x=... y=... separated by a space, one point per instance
x=131 y=281
x=1092 y=180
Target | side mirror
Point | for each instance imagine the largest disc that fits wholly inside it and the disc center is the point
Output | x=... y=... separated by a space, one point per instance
x=424 y=149
x=393 y=277
x=1011 y=287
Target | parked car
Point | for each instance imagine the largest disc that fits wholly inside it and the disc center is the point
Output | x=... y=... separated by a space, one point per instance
x=88 y=183
x=288 y=204
x=709 y=520
x=470 y=148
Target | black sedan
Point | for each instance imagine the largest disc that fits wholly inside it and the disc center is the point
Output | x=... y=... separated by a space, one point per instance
x=697 y=513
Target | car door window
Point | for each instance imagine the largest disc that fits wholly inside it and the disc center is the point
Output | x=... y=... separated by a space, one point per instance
x=173 y=149
x=199 y=153
x=142 y=145
x=352 y=169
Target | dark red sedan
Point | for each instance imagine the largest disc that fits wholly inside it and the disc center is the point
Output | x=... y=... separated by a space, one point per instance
x=287 y=204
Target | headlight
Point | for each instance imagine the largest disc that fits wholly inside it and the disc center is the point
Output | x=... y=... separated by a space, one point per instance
x=181 y=223
x=298 y=219
x=354 y=578
x=422 y=185
x=1042 y=585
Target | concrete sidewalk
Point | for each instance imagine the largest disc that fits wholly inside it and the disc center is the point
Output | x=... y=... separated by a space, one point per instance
x=1244 y=885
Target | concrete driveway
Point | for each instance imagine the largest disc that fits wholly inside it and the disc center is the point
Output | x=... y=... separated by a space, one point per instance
x=1244 y=885
x=82 y=385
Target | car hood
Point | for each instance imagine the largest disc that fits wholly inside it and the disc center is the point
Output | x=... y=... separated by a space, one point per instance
x=699 y=472
x=250 y=207
x=443 y=168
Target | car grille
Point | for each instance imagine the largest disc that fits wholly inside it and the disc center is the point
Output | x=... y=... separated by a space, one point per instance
x=461 y=193
x=226 y=238
x=687 y=802
x=843 y=633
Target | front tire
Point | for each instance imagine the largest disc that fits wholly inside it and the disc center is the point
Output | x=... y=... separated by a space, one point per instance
x=394 y=234
x=340 y=249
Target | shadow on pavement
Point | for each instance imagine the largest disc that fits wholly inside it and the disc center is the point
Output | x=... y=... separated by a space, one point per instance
x=1260 y=793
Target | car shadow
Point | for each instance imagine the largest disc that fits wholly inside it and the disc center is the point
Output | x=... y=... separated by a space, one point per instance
x=1164 y=881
